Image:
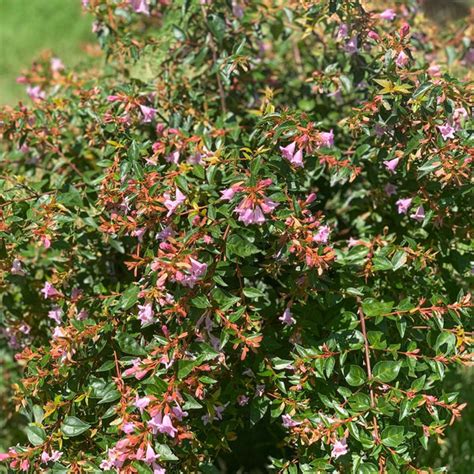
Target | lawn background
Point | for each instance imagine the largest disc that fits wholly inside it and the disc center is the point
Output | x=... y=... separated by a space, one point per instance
x=28 y=27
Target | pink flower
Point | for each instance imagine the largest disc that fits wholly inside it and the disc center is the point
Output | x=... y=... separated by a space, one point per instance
x=162 y=424
x=16 y=268
x=339 y=448
x=322 y=235
x=128 y=427
x=327 y=139
x=288 y=152
x=55 y=314
x=447 y=131
x=139 y=233
x=54 y=456
x=58 y=332
x=36 y=93
x=288 y=422
x=402 y=59
x=388 y=15
x=390 y=189
x=171 y=204
x=391 y=165
x=419 y=214
x=140 y=6
x=373 y=35
x=229 y=193
x=45 y=241
x=287 y=318
x=148 y=113
x=146 y=313
x=56 y=65
x=434 y=70
x=49 y=291
x=250 y=215
x=403 y=205
x=353 y=242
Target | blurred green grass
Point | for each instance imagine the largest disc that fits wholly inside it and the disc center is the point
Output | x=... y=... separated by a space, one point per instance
x=28 y=27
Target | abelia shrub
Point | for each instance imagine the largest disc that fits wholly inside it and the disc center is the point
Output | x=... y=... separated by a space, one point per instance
x=242 y=242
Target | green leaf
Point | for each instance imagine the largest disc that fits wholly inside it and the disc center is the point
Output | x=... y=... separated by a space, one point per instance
x=129 y=297
x=373 y=307
x=35 y=434
x=252 y=293
x=386 y=371
x=356 y=376
x=399 y=259
x=201 y=302
x=236 y=245
x=393 y=436
x=258 y=408
x=73 y=426
x=129 y=344
x=165 y=453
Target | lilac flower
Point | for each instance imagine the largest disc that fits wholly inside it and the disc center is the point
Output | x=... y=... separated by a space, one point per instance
x=36 y=93
x=146 y=313
x=150 y=456
x=49 y=291
x=288 y=152
x=25 y=328
x=287 y=318
x=179 y=413
x=419 y=214
x=55 y=314
x=390 y=189
x=327 y=139
x=16 y=268
x=391 y=165
x=322 y=235
x=403 y=205
x=165 y=233
x=402 y=59
x=351 y=47
x=171 y=204
x=140 y=6
x=58 y=332
x=141 y=403
x=148 y=113
x=56 y=65
x=339 y=448
x=379 y=130
x=243 y=400
x=173 y=157
x=388 y=14
x=288 y=422
x=447 y=131
x=82 y=315
x=162 y=424
x=342 y=31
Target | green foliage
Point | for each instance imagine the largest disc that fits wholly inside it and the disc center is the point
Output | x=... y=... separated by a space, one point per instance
x=246 y=235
